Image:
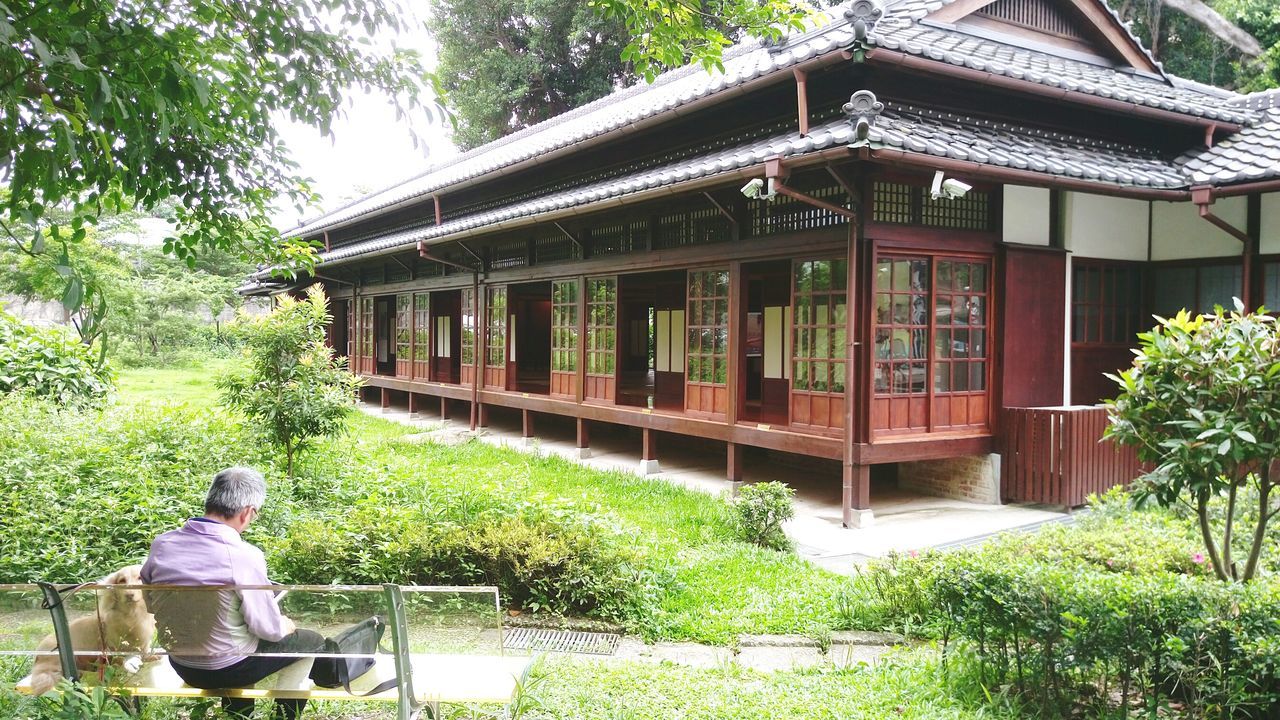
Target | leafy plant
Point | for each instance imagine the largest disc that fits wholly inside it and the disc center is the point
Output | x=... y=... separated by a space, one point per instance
x=759 y=511
x=1202 y=404
x=49 y=363
x=291 y=386
x=71 y=701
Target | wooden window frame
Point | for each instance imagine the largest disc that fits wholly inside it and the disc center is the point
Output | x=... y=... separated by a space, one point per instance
x=707 y=396
x=565 y=338
x=1198 y=266
x=601 y=338
x=811 y=405
x=927 y=403
x=1114 y=320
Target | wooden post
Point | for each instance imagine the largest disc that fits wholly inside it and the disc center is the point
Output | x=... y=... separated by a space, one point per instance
x=386 y=399
x=584 y=439
x=648 y=453
x=526 y=430
x=734 y=470
x=857 y=496
x=737 y=323
x=444 y=408
x=413 y=406
x=482 y=415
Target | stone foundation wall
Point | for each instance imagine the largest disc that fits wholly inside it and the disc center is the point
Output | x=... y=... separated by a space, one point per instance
x=975 y=478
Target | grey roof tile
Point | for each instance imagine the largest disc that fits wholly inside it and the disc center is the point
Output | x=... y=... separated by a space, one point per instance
x=1251 y=154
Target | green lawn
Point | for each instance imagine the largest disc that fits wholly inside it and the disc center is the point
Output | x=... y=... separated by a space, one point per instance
x=186 y=385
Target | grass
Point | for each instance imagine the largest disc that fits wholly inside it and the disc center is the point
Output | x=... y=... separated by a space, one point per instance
x=185 y=385
x=908 y=686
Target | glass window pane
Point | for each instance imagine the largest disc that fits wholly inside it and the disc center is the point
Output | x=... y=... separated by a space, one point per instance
x=977 y=376
x=942 y=377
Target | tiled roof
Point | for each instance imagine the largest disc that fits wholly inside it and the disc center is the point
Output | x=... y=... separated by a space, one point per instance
x=959 y=137
x=791 y=145
x=1251 y=154
x=671 y=90
x=911 y=129
x=900 y=29
x=1259 y=101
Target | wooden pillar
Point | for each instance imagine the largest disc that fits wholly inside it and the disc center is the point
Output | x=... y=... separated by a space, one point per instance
x=386 y=399
x=648 y=453
x=736 y=353
x=856 y=477
x=413 y=405
x=734 y=469
x=857 y=496
x=1253 y=276
x=444 y=408
x=584 y=439
x=482 y=415
x=526 y=430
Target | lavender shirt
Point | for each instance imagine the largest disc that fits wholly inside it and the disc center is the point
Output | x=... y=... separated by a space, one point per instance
x=210 y=630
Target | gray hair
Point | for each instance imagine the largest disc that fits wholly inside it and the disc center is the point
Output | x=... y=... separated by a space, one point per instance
x=233 y=490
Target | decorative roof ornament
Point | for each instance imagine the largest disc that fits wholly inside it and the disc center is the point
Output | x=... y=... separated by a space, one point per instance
x=863 y=16
x=863 y=109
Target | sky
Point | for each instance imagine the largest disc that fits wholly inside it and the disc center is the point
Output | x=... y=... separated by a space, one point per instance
x=370 y=149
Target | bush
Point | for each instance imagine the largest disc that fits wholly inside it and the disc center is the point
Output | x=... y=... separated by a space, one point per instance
x=759 y=511
x=541 y=557
x=50 y=363
x=85 y=491
x=1119 y=609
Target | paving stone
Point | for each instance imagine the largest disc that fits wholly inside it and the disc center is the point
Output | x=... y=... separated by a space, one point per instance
x=865 y=637
x=847 y=656
x=773 y=659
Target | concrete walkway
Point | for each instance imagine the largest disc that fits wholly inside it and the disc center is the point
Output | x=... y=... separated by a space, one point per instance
x=903 y=521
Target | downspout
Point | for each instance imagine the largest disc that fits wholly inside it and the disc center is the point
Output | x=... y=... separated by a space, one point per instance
x=802 y=100
x=1203 y=198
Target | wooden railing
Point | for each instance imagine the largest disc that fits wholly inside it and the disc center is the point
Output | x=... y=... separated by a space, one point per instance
x=1056 y=456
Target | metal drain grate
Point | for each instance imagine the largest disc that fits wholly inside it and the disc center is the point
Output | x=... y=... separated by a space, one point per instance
x=540 y=640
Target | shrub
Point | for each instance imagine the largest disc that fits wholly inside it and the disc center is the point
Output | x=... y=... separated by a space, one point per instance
x=85 y=491
x=49 y=363
x=291 y=386
x=759 y=511
x=1198 y=403
x=1119 y=609
x=541 y=557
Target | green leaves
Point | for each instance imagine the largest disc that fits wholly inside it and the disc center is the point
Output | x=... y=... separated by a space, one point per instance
x=49 y=363
x=290 y=385
x=180 y=100
x=1202 y=405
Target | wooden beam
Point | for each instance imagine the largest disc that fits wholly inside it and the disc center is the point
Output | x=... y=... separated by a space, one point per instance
x=723 y=211
x=802 y=100
x=577 y=243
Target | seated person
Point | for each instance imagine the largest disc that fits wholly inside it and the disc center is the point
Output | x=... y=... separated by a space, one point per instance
x=210 y=635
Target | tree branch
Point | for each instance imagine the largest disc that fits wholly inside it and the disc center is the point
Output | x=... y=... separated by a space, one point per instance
x=1219 y=26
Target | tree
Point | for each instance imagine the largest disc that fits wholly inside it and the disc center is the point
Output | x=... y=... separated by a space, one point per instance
x=290 y=385
x=1202 y=404
x=508 y=64
x=110 y=104
x=1230 y=43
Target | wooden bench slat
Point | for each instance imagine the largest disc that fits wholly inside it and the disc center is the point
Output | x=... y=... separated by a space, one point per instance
x=436 y=679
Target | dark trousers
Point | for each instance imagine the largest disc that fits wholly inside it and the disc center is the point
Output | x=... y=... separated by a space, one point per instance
x=250 y=670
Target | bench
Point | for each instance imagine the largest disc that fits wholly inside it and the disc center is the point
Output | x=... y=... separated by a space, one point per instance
x=426 y=680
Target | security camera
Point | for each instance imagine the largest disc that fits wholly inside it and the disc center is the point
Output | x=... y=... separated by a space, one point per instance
x=755 y=189
x=949 y=188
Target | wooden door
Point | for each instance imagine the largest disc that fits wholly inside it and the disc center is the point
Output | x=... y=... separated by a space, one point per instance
x=707 y=334
x=601 y=381
x=564 y=338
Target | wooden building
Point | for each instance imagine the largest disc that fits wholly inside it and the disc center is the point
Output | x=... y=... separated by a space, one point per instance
x=607 y=266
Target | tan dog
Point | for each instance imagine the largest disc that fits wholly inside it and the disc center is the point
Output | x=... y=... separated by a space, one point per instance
x=121 y=625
